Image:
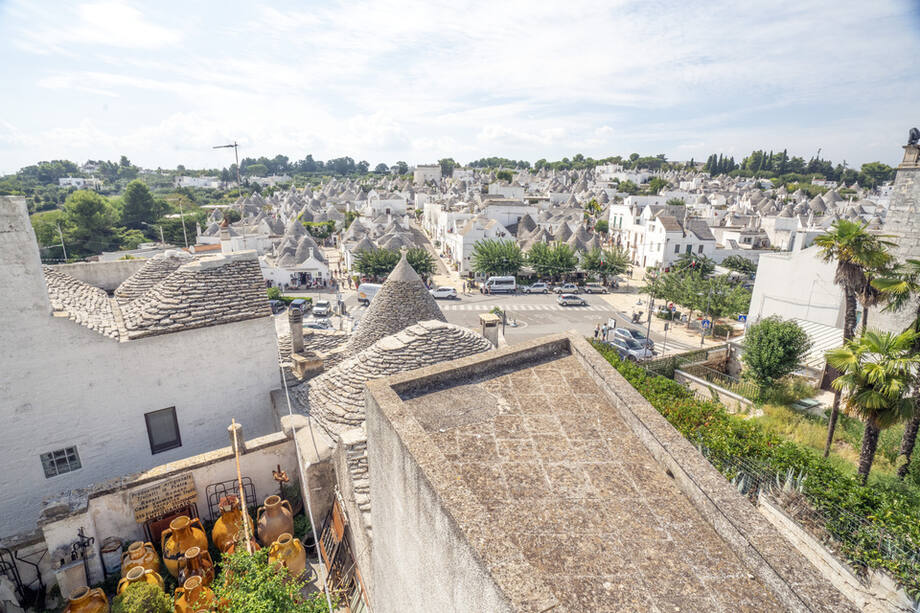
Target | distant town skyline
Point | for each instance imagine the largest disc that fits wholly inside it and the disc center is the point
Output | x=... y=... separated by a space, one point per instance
x=390 y=80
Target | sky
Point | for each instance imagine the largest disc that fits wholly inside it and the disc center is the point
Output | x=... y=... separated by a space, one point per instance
x=162 y=82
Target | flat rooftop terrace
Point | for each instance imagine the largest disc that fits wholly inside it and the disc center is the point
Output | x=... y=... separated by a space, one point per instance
x=564 y=504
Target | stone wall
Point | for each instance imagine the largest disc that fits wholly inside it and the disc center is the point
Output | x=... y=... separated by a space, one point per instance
x=903 y=227
x=735 y=403
x=105 y=275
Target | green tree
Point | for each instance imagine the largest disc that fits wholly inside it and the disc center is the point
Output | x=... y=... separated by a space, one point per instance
x=492 y=257
x=874 y=174
x=773 y=348
x=91 y=223
x=740 y=263
x=688 y=263
x=381 y=169
x=856 y=251
x=552 y=260
x=605 y=262
x=602 y=226
x=256 y=170
x=876 y=374
x=628 y=187
x=902 y=291
x=378 y=263
x=401 y=168
x=139 y=206
x=247 y=583
x=447 y=166
x=656 y=185
x=504 y=175
x=676 y=202
x=45 y=225
x=142 y=598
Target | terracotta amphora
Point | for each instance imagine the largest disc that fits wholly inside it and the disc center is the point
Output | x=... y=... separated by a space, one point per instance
x=140 y=575
x=198 y=563
x=289 y=552
x=275 y=518
x=193 y=596
x=229 y=526
x=85 y=600
x=140 y=554
x=182 y=534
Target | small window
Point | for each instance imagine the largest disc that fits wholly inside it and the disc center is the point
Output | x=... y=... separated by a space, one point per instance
x=676 y=248
x=163 y=430
x=61 y=461
x=689 y=249
x=700 y=250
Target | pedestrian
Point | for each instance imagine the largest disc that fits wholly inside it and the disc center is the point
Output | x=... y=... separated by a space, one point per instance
x=604 y=331
x=597 y=330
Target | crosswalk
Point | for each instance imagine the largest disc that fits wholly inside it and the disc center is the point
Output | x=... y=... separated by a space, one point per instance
x=481 y=306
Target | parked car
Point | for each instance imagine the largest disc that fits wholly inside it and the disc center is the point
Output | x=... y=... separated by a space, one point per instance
x=566 y=288
x=322 y=308
x=570 y=300
x=448 y=293
x=536 y=288
x=277 y=306
x=366 y=292
x=595 y=288
x=318 y=324
x=300 y=304
x=630 y=349
x=497 y=285
x=635 y=335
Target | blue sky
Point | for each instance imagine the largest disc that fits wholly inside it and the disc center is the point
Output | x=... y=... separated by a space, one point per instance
x=161 y=82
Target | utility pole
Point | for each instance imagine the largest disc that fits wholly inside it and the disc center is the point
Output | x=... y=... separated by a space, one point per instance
x=182 y=215
x=61 y=234
x=236 y=155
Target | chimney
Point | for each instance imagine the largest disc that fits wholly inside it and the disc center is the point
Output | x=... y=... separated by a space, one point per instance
x=295 y=320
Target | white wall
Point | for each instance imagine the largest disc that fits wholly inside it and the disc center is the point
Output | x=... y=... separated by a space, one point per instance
x=65 y=385
x=797 y=284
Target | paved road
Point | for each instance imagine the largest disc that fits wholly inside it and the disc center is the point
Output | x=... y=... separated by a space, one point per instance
x=530 y=317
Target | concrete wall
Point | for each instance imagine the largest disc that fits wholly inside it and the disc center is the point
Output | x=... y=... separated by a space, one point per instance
x=107 y=511
x=798 y=284
x=107 y=275
x=421 y=560
x=735 y=403
x=65 y=385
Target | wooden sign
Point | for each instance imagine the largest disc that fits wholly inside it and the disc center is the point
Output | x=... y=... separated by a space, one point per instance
x=166 y=496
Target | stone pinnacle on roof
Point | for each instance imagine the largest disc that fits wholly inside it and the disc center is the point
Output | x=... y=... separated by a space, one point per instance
x=402 y=301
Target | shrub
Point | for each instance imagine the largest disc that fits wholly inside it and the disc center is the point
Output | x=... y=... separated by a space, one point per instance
x=142 y=598
x=773 y=349
x=875 y=527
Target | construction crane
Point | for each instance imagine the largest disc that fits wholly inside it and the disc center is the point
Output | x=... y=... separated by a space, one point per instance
x=236 y=155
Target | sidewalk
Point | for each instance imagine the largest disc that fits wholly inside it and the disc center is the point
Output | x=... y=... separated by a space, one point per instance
x=626 y=301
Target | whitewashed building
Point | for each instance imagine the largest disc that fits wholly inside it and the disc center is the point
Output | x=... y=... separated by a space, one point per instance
x=459 y=243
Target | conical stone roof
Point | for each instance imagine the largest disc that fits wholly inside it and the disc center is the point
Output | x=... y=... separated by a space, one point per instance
x=402 y=301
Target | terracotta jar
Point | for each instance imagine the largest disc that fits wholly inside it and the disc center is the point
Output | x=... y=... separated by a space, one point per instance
x=289 y=552
x=85 y=600
x=196 y=563
x=182 y=534
x=275 y=518
x=139 y=575
x=193 y=596
x=140 y=554
x=229 y=526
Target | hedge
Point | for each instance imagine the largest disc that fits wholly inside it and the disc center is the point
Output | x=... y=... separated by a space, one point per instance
x=880 y=527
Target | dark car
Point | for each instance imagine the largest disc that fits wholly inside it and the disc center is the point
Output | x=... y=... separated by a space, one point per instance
x=300 y=304
x=277 y=306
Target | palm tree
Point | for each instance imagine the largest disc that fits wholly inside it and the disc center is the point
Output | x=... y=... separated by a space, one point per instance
x=876 y=372
x=900 y=288
x=856 y=251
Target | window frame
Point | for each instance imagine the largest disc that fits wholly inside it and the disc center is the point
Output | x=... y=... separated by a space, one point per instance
x=154 y=449
x=55 y=463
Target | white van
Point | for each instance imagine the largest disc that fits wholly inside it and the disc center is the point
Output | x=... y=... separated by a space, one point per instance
x=367 y=291
x=498 y=285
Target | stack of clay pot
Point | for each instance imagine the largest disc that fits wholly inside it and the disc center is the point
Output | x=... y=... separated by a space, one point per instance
x=141 y=555
x=274 y=519
x=196 y=563
x=85 y=600
x=193 y=596
x=139 y=575
x=228 y=529
x=183 y=534
x=289 y=553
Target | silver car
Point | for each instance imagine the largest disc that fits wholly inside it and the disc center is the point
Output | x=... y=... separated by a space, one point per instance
x=570 y=300
x=632 y=350
x=635 y=335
